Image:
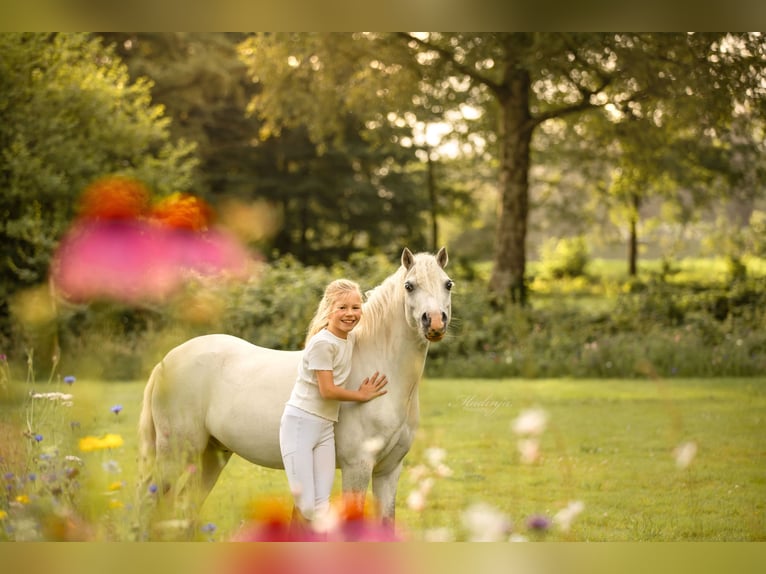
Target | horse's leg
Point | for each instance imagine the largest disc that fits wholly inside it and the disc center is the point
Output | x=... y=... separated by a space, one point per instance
x=355 y=480
x=213 y=461
x=384 y=489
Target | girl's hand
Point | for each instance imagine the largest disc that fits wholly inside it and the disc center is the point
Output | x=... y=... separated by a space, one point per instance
x=372 y=387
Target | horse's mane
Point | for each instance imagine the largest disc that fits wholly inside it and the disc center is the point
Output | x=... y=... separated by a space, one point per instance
x=378 y=306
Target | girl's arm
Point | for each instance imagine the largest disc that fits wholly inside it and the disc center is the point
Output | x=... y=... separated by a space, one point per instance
x=371 y=387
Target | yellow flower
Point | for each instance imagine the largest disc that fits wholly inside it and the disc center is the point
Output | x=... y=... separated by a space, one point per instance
x=115 y=486
x=90 y=443
x=3 y=514
x=116 y=504
x=22 y=499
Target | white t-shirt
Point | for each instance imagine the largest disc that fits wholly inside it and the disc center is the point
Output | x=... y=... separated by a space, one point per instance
x=324 y=352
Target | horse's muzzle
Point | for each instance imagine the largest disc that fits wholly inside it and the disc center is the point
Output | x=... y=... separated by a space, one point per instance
x=434 y=326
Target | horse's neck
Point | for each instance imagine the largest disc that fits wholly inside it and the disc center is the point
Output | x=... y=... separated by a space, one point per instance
x=387 y=342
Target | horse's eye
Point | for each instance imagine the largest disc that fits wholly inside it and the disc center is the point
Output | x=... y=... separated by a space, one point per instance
x=409 y=286
x=449 y=284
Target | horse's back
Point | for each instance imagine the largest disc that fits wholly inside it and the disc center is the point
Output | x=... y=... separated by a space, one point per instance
x=232 y=389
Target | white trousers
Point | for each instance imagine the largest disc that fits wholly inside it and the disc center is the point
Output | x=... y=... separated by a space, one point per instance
x=307 y=443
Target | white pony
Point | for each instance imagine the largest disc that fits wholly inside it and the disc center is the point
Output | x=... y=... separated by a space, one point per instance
x=216 y=395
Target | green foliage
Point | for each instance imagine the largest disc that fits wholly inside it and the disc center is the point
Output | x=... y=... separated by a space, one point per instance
x=566 y=257
x=679 y=325
x=70 y=115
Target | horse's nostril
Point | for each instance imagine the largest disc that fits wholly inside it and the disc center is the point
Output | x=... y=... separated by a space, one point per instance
x=426 y=320
x=444 y=317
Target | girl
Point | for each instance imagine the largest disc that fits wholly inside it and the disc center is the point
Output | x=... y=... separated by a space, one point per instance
x=307 y=431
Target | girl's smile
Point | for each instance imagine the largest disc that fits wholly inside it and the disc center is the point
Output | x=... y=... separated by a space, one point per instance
x=345 y=315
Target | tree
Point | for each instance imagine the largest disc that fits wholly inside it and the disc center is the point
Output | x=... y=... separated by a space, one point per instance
x=519 y=80
x=70 y=115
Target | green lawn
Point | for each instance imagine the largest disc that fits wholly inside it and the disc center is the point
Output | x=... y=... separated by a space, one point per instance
x=608 y=443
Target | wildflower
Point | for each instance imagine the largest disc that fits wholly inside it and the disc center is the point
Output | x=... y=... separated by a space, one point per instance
x=565 y=516
x=152 y=488
x=116 y=409
x=91 y=443
x=3 y=513
x=115 y=486
x=485 y=523
x=435 y=456
x=117 y=504
x=416 y=501
x=22 y=499
x=208 y=528
x=69 y=379
x=538 y=522
x=72 y=458
x=530 y=422
x=38 y=437
x=529 y=449
x=685 y=453
x=111 y=467
x=63 y=398
x=9 y=476
x=32 y=477
x=3 y=358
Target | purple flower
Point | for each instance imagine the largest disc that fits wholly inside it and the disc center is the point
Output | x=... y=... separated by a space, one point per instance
x=209 y=528
x=116 y=409
x=152 y=488
x=69 y=379
x=538 y=522
x=38 y=437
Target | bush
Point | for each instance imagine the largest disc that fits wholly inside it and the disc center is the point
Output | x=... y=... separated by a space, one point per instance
x=567 y=257
x=574 y=328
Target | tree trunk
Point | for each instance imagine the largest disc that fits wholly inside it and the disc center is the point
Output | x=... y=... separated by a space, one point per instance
x=433 y=203
x=633 y=239
x=515 y=137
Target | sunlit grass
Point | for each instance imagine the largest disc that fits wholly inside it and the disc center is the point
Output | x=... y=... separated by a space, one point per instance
x=608 y=443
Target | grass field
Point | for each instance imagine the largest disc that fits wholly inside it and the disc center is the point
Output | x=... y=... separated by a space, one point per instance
x=607 y=443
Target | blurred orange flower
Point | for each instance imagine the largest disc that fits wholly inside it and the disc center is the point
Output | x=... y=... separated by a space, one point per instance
x=183 y=211
x=114 y=197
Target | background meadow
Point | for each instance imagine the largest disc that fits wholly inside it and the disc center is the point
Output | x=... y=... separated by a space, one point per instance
x=608 y=444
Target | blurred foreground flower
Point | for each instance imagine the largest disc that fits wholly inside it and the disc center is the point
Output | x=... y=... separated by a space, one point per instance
x=684 y=454
x=91 y=443
x=485 y=523
x=564 y=517
x=530 y=422
x=118 y=250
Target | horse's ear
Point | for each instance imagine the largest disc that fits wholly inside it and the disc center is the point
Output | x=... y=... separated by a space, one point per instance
x=408 y=259
x=442 y=258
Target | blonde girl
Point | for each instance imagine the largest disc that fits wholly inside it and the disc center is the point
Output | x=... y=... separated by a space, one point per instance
x=307 y=427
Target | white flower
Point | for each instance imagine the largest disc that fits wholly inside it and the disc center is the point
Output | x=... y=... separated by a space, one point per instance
x=685 y=453
x=529 y=449
x=435 y=456
x=485 y=523
x=416 y=501
x=530 y=422
x=565 y=516
x=443 y=471
x=63 y=398
x=426 y=485
x=418 y=472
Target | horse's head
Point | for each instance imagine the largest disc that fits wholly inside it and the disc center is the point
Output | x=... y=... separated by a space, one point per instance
x=427 y=293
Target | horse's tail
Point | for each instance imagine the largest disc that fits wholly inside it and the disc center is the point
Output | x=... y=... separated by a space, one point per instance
x=147 y=432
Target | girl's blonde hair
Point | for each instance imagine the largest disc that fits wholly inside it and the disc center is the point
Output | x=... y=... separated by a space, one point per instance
x=332 y=292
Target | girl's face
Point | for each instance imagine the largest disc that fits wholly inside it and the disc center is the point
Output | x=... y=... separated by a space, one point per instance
x=345 y=313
